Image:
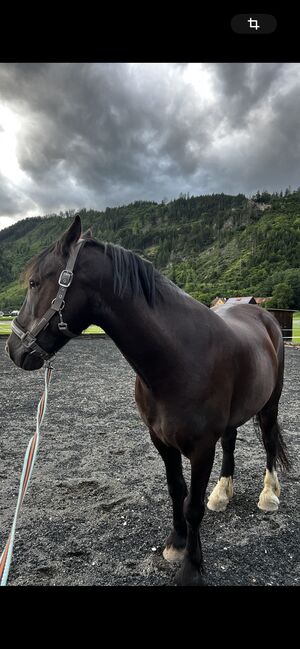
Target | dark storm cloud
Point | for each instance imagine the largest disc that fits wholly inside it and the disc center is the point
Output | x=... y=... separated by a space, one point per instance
x=243 y=86
x=104 y=134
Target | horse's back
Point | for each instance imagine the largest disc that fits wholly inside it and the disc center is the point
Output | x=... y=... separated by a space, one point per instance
x=255 y=332
x=253 y=320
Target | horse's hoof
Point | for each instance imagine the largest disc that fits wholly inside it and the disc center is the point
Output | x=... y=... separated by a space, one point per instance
x=173 y=555
x=175 y=546
x=268 y=501
x=221 y=495
x=189 y=575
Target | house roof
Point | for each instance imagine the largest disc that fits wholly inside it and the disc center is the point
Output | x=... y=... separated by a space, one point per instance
x=217 y=299
x=240 y=300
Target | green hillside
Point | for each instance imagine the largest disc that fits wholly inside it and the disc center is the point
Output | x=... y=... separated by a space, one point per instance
x=208 y=245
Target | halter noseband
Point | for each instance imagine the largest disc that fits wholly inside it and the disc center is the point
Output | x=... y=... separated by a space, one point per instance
x=28 y=338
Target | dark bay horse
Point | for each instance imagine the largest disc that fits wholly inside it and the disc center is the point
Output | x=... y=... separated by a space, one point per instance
x=200 y=373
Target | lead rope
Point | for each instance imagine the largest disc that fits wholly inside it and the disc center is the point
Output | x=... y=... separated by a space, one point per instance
x=29 y=460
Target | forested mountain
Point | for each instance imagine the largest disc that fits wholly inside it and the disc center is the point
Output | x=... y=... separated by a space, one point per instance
x=208 y=245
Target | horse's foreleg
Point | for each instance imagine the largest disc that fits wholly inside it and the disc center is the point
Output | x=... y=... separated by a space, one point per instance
x=191 y=573
x=223 y=491
x=176 y=541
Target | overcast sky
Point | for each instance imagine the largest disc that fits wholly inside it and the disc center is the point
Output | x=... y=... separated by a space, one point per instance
x=97 y=134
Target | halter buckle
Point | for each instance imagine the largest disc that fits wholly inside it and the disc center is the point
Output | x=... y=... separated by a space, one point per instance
x=65 y=278
x=28 y=340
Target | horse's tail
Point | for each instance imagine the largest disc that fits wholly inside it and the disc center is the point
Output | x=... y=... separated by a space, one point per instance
x=266 y=422
x=273 y=430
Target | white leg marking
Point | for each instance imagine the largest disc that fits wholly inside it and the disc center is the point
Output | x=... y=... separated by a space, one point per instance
x=268 y=499
x=172 y=554
x=221 y=495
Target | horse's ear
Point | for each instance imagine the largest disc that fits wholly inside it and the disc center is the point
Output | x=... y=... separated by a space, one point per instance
x=70 y=237
x=87 y=234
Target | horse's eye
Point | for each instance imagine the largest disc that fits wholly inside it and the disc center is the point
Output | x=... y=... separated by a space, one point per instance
x=33 y=283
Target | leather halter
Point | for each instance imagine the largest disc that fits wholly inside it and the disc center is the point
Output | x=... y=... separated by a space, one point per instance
x=28 y=338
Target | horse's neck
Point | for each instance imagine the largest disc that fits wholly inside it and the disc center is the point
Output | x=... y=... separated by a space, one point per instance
x=136 y=329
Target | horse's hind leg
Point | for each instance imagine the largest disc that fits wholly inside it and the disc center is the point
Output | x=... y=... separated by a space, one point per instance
x=175 y=543
x=275 y=450
x=273 y=442
x=223 y=491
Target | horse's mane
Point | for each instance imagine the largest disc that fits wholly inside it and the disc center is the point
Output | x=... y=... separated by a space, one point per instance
x=132 y=273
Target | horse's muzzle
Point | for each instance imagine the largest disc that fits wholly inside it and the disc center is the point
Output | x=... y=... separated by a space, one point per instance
x=23 y=359
x=32 y=362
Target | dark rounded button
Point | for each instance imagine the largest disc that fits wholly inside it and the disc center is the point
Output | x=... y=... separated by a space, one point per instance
x=253 y=24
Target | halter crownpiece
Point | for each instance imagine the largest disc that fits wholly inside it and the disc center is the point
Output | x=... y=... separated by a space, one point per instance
x=28 y=338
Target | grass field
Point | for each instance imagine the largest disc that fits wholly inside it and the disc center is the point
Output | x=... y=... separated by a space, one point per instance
x=4 y=329
x=93 y=329
x=296 y=327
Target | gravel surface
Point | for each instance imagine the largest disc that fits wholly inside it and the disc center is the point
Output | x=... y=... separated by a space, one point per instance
x=97 y=510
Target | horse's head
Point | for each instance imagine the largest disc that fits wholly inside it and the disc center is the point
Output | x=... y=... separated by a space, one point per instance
x=55 y=307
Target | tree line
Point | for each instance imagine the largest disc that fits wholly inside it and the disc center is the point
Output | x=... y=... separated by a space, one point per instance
x=208 y=245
